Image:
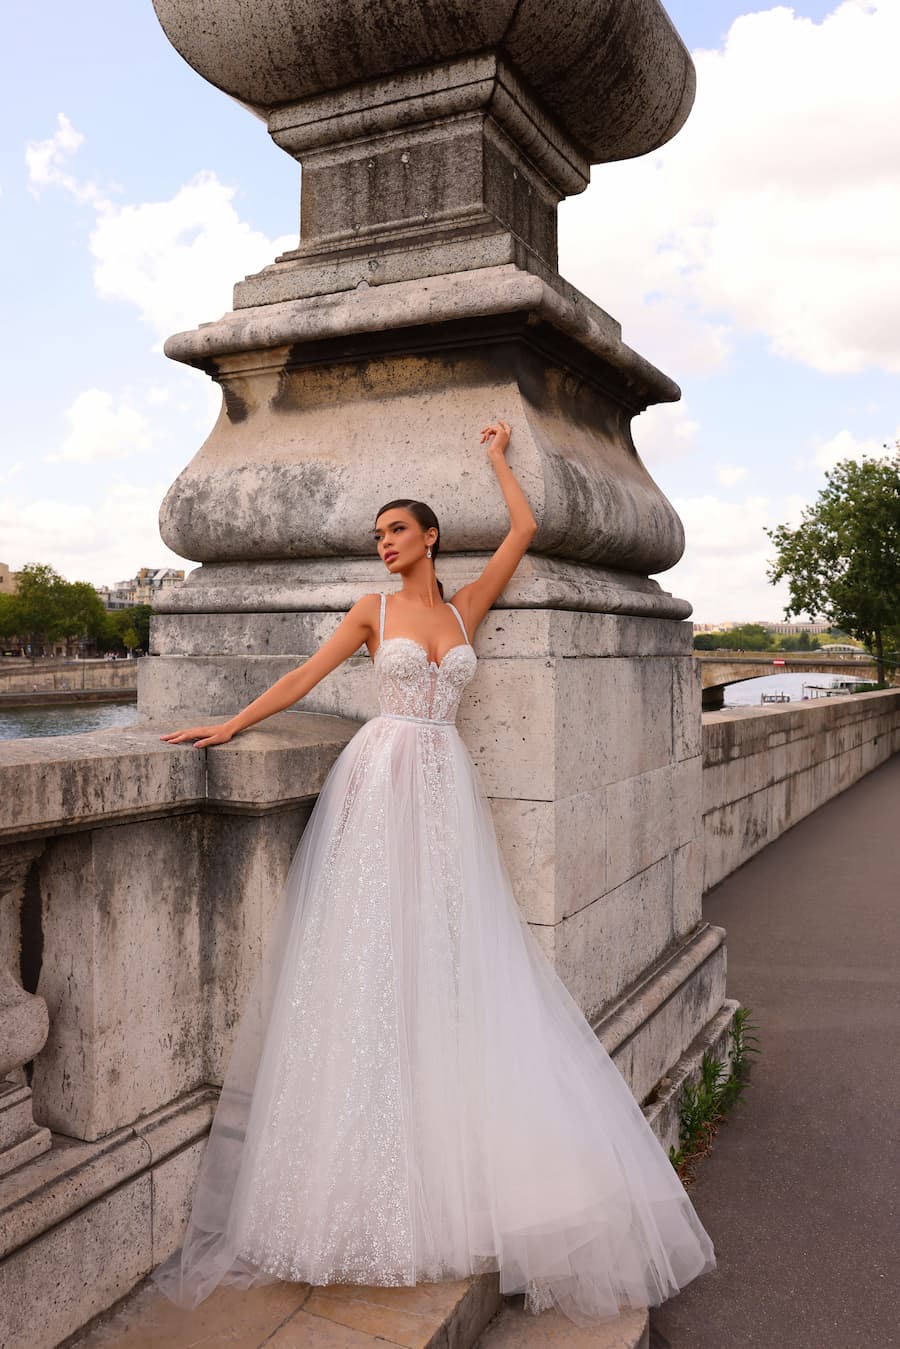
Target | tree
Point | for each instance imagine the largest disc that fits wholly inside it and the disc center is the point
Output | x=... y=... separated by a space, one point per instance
x=82 y=611
x=10 y=616
x=843 y=560
x=40 y=602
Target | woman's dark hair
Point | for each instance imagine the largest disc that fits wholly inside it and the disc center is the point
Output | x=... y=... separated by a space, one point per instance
x=423 y=515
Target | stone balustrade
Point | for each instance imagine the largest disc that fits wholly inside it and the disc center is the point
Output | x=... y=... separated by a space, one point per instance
x=766 y=768
x=137 y=881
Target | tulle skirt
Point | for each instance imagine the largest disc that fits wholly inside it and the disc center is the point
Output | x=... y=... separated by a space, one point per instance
x=413 y=1094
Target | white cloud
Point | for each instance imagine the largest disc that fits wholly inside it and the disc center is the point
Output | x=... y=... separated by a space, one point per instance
x=730 y=474
x=176 y=260
x=100 y=429
x=101 y=543
x=46 y=162
x=723 y=571
x=844 y=445
x=776 y=209
x=665 y=432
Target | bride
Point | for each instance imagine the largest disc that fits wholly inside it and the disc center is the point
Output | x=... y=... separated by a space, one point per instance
x=413 y=1094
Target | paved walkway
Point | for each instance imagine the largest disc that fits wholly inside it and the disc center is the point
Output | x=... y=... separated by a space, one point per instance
x=801 y=1192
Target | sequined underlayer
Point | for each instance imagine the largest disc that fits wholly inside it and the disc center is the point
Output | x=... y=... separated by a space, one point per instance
x=344 y=1027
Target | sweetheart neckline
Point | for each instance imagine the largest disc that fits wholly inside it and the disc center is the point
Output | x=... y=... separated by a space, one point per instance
x=458 y=647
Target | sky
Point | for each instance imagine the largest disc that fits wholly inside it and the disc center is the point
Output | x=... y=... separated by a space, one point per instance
x=754 y=259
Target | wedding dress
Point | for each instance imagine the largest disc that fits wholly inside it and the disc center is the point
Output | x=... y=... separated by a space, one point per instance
x=413 y=1094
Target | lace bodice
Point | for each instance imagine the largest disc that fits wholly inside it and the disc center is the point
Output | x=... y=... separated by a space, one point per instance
x=410 y=685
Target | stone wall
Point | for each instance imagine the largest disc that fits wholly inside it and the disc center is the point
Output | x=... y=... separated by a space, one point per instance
x=137 y=881
x=766 y=768
x=61 y=676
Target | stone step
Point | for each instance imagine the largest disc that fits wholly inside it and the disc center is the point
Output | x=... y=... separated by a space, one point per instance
x=514 y=1328
x=468 y=1314
x=297 y=1316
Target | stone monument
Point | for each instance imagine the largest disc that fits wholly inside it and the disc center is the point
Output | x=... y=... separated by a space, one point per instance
x=423 y=299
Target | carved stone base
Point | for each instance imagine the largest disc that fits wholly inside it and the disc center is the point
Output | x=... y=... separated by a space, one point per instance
x=20 y=1138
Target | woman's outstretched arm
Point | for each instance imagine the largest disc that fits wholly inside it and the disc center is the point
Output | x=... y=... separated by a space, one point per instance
x=355 y=628
x=475 y=599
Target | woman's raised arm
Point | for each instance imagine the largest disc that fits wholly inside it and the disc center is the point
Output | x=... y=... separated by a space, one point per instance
x=355 y=628
x=475 y=599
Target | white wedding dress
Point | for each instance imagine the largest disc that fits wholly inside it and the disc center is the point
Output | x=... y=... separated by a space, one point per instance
x=413 y=1094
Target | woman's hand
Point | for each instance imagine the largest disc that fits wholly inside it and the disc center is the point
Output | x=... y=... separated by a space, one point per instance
x=209 y=735
x=500 y=432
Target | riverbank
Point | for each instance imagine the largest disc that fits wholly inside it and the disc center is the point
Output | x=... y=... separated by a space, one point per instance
x=57 y=697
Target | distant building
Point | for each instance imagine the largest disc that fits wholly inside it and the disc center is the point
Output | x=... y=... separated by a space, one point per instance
x=9 y=583
x=144 y=588
x=794 y=629
x=788 y=628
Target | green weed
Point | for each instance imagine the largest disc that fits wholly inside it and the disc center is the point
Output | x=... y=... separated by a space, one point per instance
x=705 y=1103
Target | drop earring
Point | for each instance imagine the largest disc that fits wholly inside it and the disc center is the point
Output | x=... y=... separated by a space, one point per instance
x=428 y=551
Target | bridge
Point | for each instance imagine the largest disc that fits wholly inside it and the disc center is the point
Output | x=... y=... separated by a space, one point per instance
x=720 y=668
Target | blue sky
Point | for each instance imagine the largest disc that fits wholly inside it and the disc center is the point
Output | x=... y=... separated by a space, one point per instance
x=754 y=259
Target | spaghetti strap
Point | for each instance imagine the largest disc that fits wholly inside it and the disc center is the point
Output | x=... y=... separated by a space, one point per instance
x=461 y=623
x=381 y=620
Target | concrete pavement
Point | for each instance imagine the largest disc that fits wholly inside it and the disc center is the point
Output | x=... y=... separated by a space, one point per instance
x=801 y=1192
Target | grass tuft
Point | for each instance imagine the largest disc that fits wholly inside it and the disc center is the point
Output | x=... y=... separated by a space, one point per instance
x=705 y=1103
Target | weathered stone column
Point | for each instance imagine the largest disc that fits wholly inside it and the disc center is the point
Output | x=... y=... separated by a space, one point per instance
x=423 y=299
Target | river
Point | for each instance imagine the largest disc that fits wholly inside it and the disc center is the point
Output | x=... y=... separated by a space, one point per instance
x=24 y=723
x=749 y=692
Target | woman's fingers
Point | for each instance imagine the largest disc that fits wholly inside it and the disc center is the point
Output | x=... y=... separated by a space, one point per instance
x=178 y=737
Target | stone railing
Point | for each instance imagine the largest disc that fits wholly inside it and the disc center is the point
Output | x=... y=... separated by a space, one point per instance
x=65 y=676
x=137 y=881
x=766 y=768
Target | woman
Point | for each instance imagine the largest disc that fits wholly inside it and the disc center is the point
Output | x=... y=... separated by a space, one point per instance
x=413 y=1094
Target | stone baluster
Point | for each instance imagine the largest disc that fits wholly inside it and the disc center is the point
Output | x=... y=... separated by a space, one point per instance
x=24 y=1023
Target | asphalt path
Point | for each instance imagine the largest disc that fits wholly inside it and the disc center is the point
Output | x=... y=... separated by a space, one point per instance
x=801 y=1191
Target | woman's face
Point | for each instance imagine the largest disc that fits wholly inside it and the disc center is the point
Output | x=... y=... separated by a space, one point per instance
x=400 y=539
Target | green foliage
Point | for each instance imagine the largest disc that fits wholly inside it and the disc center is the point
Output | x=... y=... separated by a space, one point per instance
x=744 y=637
x=705 y=1103
x=755 y=637
x=127 y=629
x=9 y=616
x=843 y=560
x=46 y=608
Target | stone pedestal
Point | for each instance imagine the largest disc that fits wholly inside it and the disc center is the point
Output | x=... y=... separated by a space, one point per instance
x=423 y=300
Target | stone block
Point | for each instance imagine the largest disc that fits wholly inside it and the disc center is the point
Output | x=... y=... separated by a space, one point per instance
x=686 y=723
x=602 y=948
x=172 y=1189
x=651 y=816
x=121 y=973
x=95 y=1257
x=555 y=852
x=604 y=732
x=687 y=887
x=666 y=1009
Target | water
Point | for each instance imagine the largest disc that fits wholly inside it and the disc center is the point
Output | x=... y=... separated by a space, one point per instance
x=24 y=723
x=749 y=692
